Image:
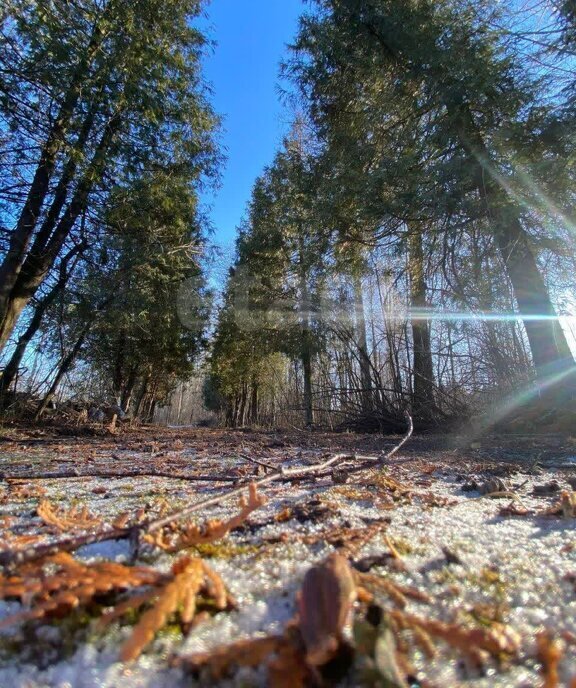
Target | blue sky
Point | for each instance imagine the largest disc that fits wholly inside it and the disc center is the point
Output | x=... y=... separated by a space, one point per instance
x=251 y=40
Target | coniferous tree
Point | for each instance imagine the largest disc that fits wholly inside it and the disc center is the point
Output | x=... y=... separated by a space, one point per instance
x=445 y=64
x=91 y=89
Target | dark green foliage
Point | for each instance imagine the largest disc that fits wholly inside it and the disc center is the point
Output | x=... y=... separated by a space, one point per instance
x=105 y=138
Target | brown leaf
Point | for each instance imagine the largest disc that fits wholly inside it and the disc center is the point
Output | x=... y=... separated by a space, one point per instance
x=347 y=540
x=324 y=607
x=496 y=640
x=220 y=661
x=288 y=669
x=565 y=507
x=72 y=584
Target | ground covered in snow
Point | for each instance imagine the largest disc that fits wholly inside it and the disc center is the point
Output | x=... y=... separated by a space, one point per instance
x=479 y=534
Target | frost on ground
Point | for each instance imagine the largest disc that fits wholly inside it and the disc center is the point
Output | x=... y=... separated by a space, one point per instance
x=471 y=528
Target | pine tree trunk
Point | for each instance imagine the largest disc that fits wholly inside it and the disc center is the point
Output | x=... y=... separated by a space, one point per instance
x=307 y=373
x=253 y=415
x=552 y=357
x=22 y=234
x=423 y=371
x=61 y=191
x=241 y=420
x=305 y=346
x=70 y=357
x=36 y=266
x=118 y=375
x=549 y=347
x=363 y=355
x=128 y=390
x=65 y=366
x=141 y=395
x=11 y=369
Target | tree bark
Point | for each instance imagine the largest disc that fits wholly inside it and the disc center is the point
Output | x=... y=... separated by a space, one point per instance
x=11 y=369
x=61 y=191
x=552 y=357
x=142 y=394
x=22 y=234
x=548 y=344
x=35 y=267
x=253 y=414
x=70 y=357
x=65 y=365
x=305 y=347
x=363 y=355
x=423 y=370
x=128 y=390
x=241 y=419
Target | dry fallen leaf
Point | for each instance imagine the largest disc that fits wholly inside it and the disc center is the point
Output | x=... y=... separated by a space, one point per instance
x=325 y=604
x=71 y=585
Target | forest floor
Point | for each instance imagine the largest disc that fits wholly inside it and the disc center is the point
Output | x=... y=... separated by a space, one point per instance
x=467 y=550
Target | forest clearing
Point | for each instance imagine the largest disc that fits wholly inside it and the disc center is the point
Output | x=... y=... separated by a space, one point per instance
x=466 y=553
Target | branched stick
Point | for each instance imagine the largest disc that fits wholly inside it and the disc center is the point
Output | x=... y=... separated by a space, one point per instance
x=10 y=558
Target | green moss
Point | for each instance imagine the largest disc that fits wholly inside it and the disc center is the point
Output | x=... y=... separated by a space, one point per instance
x=493 y=586
x=444 y=575
x=486 y=615
x=403 y=546
x=32 y=645
x=224 y=550
x=171 y=631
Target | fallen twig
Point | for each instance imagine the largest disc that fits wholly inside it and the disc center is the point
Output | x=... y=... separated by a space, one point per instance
x=72 y=474
x=259 y=462
x=10 y=557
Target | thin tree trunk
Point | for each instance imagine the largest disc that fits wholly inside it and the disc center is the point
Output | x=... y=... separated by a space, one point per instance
x=65 y=365
x=549 y=347
x=61 y=191
x=180 y=402
x=241 y=420
x=151 y=410
x=423 y=369
x=70 y=357
x=128 y=390
x=306 y=353
x=253 y=403
x=118 y=375
x=142 y=395
x=363 y=356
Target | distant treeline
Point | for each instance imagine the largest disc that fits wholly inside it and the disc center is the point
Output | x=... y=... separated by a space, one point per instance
x=412 y=244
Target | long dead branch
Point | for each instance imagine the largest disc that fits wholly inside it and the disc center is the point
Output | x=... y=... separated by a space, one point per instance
x=71 y=474
x=10 y=558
